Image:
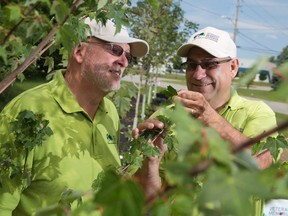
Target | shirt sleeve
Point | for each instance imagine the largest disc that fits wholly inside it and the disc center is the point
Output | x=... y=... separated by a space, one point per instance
x=261 y=118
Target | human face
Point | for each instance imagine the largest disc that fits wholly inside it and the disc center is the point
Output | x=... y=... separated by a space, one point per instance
x=213 y=80
x=104 y=64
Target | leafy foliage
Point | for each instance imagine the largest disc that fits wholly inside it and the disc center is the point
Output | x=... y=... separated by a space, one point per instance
x=119 y=196
x=25 y=25
x=140 y=148
x=204 y=179
x=274 y=144
x=29 y=131
x=170 y=92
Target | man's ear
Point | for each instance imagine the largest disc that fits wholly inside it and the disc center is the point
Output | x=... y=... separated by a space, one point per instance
x=234 y=67
x=79 y=52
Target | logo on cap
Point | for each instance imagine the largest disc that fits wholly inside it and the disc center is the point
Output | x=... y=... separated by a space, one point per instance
x=208 y=36
x=201 y=35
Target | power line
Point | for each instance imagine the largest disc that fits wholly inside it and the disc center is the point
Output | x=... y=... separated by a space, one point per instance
x=238 y=30
x=261 y=45
x=203 y=9
x=268 y=23
x=257 y=50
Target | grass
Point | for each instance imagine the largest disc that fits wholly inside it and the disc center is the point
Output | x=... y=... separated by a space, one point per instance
x=17 y=88
x=264 y=95
x=281 y=118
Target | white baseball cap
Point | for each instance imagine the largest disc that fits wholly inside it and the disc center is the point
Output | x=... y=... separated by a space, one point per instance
x=214 y=41
x=138 y=48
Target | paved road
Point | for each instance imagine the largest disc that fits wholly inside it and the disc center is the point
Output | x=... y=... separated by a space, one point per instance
x=276 y=106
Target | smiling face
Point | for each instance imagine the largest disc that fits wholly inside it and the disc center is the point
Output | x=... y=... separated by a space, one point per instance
x=213 y=82
x=101 y=68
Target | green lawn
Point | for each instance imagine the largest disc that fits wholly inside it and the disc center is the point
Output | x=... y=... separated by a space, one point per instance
x=265 y=95
x=16 y=88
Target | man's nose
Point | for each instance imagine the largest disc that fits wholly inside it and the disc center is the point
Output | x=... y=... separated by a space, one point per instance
x=199 y=73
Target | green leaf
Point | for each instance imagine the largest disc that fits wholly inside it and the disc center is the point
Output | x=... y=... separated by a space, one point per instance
x=187 y=129
x=161 y=208
x=67 y=37
x=123 y=105
x=218 y=148
x=60 y=9
x=101 y=4
x=14 y=12
x=3 y=54
x=119 y=197
x=274 y=145
x=244 y=160
x=177 y=173
x=21 y=77
x=155 y=5
x=251 y=73
x=49 y=62
x=150 y=151
x=234 y=193
x=170 y=92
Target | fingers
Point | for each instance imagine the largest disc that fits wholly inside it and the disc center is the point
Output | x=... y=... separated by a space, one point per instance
x=149 y=124
x=192 y=101
x=189 y=95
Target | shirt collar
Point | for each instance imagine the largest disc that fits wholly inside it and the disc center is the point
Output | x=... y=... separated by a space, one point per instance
x=63 y=95
x=65 y=98
x=235 y=102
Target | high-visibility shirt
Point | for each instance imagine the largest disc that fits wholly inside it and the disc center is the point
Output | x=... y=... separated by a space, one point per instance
x=71 y=158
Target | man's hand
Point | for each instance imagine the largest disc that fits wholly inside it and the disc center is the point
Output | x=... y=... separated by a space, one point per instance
x=148 y=175
x=199 y=107
x=196 y=104
x=152 y=124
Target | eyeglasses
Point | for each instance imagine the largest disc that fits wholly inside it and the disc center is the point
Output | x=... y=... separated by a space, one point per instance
x=207 y=64
x=115 y=50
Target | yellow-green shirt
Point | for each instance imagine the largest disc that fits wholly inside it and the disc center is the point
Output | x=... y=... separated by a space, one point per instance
x=79 y=149
x=250 y=117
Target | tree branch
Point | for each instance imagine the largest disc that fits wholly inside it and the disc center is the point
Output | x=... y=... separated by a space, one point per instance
x=205 y=164
x=33 y=56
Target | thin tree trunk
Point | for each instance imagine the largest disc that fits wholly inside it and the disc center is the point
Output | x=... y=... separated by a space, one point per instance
x=135 y=120
x=143 y=107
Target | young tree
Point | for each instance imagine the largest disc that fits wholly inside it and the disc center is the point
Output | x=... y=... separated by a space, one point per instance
x=283 y=56
x=29 y=29
x=163 y=26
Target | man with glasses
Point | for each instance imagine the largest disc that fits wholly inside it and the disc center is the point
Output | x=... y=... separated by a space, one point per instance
x=211 y=64
x=84 y=122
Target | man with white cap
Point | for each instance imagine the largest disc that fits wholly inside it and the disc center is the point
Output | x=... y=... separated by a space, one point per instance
x=211 y=65
x=84 y=122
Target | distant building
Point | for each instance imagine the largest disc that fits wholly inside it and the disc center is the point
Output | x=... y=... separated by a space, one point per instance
x=264 y=75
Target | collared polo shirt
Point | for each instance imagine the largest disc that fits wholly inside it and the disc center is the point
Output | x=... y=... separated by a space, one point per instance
x=250 y=117
x=79 y=149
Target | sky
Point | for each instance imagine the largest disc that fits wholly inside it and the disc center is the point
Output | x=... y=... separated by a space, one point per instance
x=262 y=26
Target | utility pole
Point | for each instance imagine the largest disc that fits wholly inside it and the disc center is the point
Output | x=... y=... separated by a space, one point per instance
x=236 y=21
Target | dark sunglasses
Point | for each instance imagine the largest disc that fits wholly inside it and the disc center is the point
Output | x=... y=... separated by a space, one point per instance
x=207 y=64
x=115 y=50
